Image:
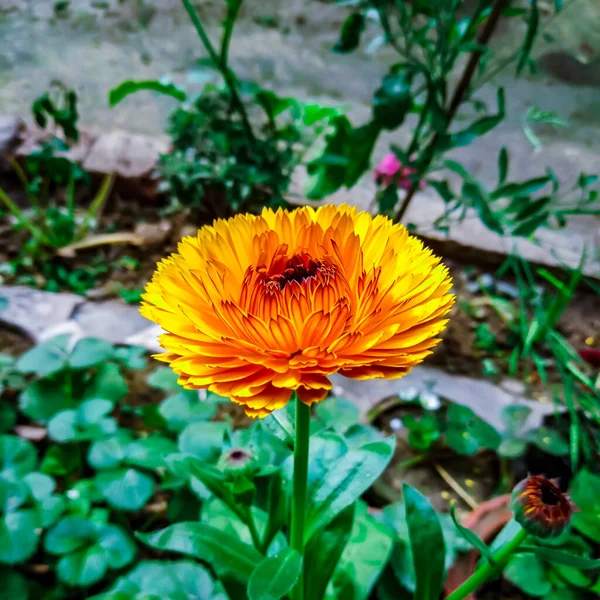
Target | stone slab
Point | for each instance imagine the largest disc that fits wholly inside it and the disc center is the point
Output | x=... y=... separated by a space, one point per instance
x=483 y=397
x=34 y=311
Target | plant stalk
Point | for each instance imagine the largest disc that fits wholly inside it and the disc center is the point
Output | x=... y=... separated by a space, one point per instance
x=300 y=484
x=457 y=97
x=228 y=76
x=489 y=569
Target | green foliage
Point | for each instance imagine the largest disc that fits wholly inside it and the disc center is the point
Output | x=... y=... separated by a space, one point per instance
x=51 y=182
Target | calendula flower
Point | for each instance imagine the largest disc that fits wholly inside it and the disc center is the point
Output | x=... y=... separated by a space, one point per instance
x=257 y=307
x=540 y=507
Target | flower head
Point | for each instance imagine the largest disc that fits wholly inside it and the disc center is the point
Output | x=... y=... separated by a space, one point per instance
x=257 y=307
x=390 y=170
x=540 y=507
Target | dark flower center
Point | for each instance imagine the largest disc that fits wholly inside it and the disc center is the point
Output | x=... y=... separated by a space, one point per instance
x=551 y=495
x=298 y=268
x=238 y=455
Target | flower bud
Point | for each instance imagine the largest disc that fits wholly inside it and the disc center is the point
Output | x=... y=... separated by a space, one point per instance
x=540 y=507
x=237 y=461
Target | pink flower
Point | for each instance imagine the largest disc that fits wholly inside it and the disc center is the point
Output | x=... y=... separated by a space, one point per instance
x=390 y=170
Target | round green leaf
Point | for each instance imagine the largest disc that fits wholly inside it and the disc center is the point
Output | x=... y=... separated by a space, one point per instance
x=550 y=441
x=92 y=411
x=13 y=493
x=184 y=408
x=18 y=537
x=45 y=358
x=203 y=439
x=42 y=399
x=41 y=486
x=275 y=576
x=150 y=452
x=164 y=379
x=69 y=535
x=108 y=383
x=83 y=567
x=110 y=452
x=119 y=547
x=63 y=426
x=125 y=489
x=17 y=456
x=60 y=461
x=512 y=448
x=50 y=509
x=89 y=352
x=339 y=413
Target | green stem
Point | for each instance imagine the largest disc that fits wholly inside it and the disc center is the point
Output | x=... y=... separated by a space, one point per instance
x=300 y=485
x=489 y=569
x=225 y=71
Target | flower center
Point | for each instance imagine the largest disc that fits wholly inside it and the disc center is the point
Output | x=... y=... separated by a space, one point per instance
x=298 y=268
x=550 y=494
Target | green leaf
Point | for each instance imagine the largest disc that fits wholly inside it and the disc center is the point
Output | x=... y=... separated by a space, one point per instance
x=281 y=423
x=532 y=27
x=393 y=100
x=275 y=576
x=352 y=28
x=324 y=551
x=109 y=453
x=118 y=546
x=512 y=448
x=363 y=559
x=164 y=379
x=82 y=568
x=8 y=415
x=17 y=456
x=173 y=580
x=89 y=352
x=346 y=479
x=481 y=203
x=18 y=537
x=477 y=129
x=466 y=432
x=203 y=439
x=132 y=357
x=13 y=494
x=273 y=104
x=130 y=87
x=472 y=537
x=524 y=188
x=503 y=163
x=60 y=461
x=45 y=358
x=150 y=452
x=514 y=417
x=585 y=493
x=559 y=557
x=71 y=534
x=549 y=440
x=530 y=226
x=125 y=489
x=43 y=399
x=184 y=408
x=108 y=384
x=50 y=510
x=527 y=572
x=427 y=544
x=338 y=413
x=14 y=585
x=359 y=147
x=40 y=486
x=223 y=552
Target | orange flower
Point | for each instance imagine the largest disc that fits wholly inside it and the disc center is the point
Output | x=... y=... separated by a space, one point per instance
x=256 y=307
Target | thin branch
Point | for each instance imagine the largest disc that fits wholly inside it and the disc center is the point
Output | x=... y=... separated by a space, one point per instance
x=228 y=76
x=458 y=96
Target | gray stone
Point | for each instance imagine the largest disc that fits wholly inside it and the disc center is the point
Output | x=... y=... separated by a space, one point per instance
x=10 y=130
x=34 y=311
x=484 y=398
x=112 y=320
x=146 y=338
